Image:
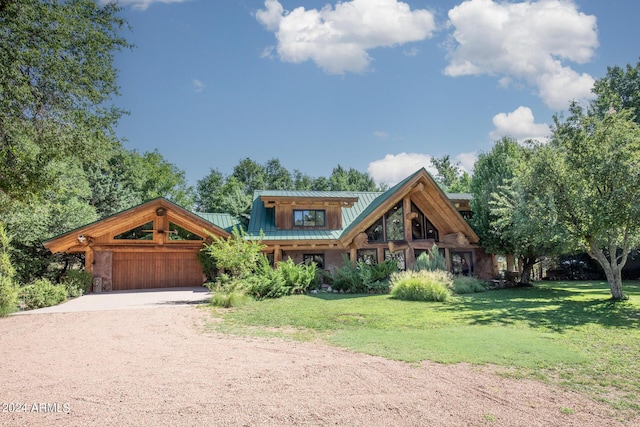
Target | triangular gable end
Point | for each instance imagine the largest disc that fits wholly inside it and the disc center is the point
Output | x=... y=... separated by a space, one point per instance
x=427 y=195
x=161 y=212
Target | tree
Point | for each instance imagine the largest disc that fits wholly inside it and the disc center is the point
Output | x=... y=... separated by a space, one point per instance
x=208 y=192
x=618 y=90
x=8 y=287
x=450 y=177
x=519 y=211
x=277 y=176
x=251 y=175
x=590 y=173
x=56 y=81
x=351 y=180
x=493 y=171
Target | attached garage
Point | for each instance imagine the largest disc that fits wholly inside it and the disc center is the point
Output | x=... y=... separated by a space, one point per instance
x=154 y=245
x=147 y=270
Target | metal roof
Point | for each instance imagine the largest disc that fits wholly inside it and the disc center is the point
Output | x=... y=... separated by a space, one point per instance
x=222 y=220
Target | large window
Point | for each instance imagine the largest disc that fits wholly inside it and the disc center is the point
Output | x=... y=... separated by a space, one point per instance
x=421 y=227
x=308 y=259
x=375 y=233
x=398 y=256
x=368 y=256
x=394 y=223
x=309 y=218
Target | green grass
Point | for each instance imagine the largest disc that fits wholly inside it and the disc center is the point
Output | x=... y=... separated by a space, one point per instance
x=567 y=333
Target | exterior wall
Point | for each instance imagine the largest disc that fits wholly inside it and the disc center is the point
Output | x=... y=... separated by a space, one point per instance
x=104 y=268
x=331 y=257
x=486 y=265
x=284 y=216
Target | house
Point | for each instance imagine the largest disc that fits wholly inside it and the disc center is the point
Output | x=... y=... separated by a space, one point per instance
x=156 y=244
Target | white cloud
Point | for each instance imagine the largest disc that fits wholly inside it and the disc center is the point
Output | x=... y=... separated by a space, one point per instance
x=140 y=4
x=396 y=167
x=467 y=161
x=528 y=41
x=519 y=124
x=198 y=86
x=338 y=38
x=411 y=52
x=380 y=134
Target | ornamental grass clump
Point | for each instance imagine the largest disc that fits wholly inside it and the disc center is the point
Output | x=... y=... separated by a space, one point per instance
x=422 y=285
x=467 y=285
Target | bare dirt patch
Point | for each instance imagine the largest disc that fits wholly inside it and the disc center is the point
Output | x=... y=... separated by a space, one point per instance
x=158 y=367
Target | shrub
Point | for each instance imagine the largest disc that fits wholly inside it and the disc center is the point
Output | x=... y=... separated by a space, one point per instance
x=208 y=263
x=297 y=277
x=346 y=278
x=77 y=282
x=421 y=285
x=236 y=255
x=226 y=299
x=361 y=277
x=467 y=285
x=42 y=293
x=431 y=261
x=8 y=287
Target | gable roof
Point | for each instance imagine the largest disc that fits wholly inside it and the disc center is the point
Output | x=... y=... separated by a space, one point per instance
x=368 y=205
x=69 y=239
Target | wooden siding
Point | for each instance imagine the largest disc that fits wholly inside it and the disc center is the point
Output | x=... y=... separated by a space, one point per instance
x=284 y=216
x=146 y=270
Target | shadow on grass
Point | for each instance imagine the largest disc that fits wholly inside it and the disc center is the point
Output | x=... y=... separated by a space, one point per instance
x=337 y=297
x=555 y=306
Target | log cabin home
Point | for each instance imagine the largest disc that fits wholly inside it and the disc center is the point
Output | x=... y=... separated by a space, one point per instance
x=155 y=245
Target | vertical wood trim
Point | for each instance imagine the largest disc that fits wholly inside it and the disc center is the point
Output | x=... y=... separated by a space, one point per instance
x=88 y=259
x=354 y=255
x=277 y=254
x=406 y=211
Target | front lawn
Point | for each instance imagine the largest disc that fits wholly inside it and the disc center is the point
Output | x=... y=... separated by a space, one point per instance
x=567 y=333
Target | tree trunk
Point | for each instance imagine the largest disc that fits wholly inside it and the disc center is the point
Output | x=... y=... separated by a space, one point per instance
x=527 y=264
x=612 y=269
x=511 y=262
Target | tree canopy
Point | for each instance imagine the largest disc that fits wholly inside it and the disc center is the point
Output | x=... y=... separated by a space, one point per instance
x=56 y=81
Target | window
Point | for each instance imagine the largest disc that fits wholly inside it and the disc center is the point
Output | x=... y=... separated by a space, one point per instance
x=462 y=263
x=375 y=233
x=368 y=256
x=309 y=218
x=311 y=258
x=421 y=227
x=396 y=255
x=394 y=224
x=143 y=232
x=178 y=233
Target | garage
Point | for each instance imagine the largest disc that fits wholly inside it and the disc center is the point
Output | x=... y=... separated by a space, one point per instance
x=148 y=270
x=153 y=245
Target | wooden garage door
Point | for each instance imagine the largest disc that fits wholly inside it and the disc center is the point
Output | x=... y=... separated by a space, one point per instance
x=146 y=270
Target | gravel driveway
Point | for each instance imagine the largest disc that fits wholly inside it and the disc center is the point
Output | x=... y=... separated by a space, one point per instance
x=159 y=367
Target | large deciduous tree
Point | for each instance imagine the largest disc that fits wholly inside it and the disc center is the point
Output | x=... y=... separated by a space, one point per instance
x=450 y=176
x=590 y=174
x=56 y=82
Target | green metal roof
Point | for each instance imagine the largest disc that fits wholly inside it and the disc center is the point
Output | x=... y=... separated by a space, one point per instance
x=264 y=218
x=222 y=220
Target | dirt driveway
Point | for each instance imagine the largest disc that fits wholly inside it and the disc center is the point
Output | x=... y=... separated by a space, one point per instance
x=159 y=367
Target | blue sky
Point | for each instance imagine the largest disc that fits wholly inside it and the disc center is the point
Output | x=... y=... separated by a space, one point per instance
x=377 y=85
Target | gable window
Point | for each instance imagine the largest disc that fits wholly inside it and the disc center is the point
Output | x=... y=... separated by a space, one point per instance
x=309 y=218
x=375 y=233
x=308 y=259
x=394 y=223
x=178 y=233
x=142 y=232
x=389 y=227
x=421 y=227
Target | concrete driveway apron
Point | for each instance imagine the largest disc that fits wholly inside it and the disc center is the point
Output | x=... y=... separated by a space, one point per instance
x=127 y=300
